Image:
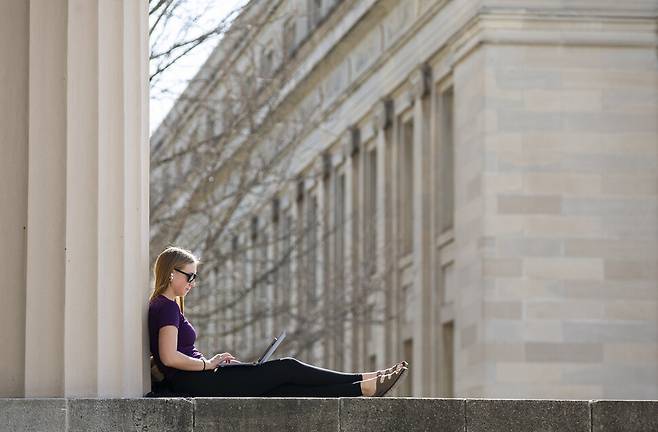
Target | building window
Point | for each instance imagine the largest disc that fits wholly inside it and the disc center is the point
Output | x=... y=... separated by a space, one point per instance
x=370 y=204
x=286 y=262
x=406 y=187
x=290 y=36
x=447 y=360
x=311 y=238
x=267 y=62
x=446 y=161
x=408 y=349
x=339 y=274
x=315 y=12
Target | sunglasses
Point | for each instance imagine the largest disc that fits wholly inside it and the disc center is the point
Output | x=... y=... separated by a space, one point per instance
x=190 y=276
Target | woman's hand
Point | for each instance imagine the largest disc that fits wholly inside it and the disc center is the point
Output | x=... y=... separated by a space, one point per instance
x=223 y=358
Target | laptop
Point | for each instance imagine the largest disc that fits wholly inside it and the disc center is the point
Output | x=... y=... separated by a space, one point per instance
x=266 y=354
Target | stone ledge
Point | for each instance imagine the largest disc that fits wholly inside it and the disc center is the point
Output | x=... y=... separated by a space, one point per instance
x=336 y=415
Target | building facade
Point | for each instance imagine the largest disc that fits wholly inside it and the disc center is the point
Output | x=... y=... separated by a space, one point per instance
x=489 y=168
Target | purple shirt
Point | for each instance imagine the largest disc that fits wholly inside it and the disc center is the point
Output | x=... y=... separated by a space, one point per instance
x=163 y=312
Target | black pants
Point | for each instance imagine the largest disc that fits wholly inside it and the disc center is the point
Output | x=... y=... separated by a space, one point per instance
x=286 y=377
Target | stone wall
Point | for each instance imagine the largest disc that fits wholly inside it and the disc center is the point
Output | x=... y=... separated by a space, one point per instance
x=324 y=415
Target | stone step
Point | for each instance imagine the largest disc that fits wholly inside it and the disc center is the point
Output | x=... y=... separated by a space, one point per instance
x=324 y=415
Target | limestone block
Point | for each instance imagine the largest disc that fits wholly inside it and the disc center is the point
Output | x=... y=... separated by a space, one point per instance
x=561 y=268
x=525 y=79
x=519 y=371
x=543 y=330
x=630 y=353
x=563 y=101
x=564 y=352
x=283 y=414
x=611 y=375
x=610 y=249
x=630 y=269
x=630 y=185
x=504 y=352
x=527 y=415
x=161 y=414
x=503 y=310
x=530 y=204
x=36 y=415
x=528 y=247
x=561 y=183
x=615 y=332
x=631 y=310
x=564 y=309
x=384 y=415
x=505 y=267
x=495 y=183
x=624 y=416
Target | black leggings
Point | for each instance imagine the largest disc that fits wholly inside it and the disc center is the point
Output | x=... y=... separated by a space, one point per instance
x=286 y=377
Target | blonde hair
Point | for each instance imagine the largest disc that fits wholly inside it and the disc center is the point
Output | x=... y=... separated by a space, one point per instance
x=167 y=261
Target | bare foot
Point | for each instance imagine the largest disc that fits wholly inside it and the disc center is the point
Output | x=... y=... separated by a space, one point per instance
x=369 y=386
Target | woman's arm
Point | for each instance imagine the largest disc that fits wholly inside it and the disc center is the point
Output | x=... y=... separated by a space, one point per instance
x=171 y=357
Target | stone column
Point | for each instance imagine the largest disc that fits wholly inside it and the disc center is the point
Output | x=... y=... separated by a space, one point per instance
x=86 y=246
x=14 y=38
x=350 y=149
x=322 y=172
x=422 y=237
x=383 y=119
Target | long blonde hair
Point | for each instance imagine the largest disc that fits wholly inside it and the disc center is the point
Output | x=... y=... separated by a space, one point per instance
x=170 y=258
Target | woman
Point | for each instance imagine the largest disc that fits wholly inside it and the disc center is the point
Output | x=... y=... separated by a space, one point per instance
x=189 y=373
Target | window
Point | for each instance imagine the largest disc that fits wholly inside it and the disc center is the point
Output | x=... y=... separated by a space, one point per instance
x=315 y=12
x=370 y=204
x=311 y=248
x=407 y=385
x=446 y=161
x=286 y=262
x=267 y=62
x=447 y=360
x=290 y=36
x=406 y=187
x=339 y=274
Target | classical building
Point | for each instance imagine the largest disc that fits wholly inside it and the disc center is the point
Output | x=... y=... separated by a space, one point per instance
x=494 y=165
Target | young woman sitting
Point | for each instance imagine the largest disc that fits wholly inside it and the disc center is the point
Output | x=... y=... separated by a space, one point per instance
x=189 y=373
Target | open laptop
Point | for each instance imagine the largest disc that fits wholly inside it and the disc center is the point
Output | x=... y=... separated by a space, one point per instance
x=266 y=354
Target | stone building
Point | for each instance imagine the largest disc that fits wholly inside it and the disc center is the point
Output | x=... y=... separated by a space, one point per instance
x=496 y=163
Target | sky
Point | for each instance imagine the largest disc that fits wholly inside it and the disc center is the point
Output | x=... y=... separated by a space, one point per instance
x=176 y=78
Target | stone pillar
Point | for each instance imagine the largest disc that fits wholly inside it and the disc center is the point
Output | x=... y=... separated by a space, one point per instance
x=383 y=118
x=14 y=37
x=422 y=236
x=84 y=127
x=350 y=149
x=322 y=173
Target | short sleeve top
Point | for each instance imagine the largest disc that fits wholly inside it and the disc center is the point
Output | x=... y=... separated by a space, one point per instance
x=164 y=312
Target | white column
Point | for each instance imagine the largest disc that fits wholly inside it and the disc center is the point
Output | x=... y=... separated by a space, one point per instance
x=322 y=251
x=350 y=224
x=87 y=238
x=384 y=261
x=14 y=46
x=422 y=238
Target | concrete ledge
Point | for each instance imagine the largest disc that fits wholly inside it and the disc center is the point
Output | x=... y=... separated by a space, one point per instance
x=401 y=414
x=335 y=415
x=174 y=414
x=624 y=416
x=510 y=415
x=275 y=414
x=35 y=415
